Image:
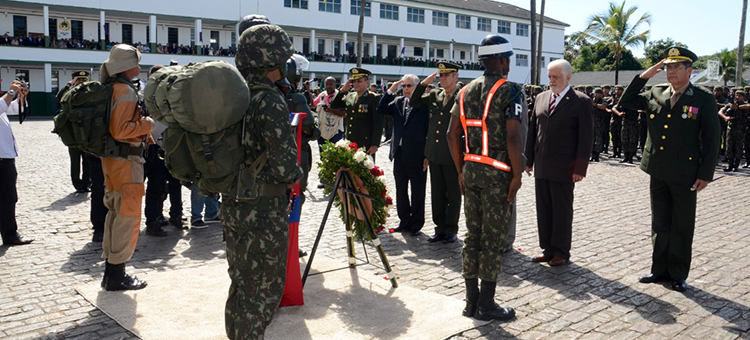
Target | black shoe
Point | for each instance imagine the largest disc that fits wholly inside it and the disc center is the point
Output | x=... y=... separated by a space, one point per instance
x=494 y=313
x=177 y=223
x=80 y=191
x=470 y=309
x=401 y=229
x=436 y=238
x=198 y=224
x=728 y=169
x=651 y=278
x=98 y=236
x=162 y=221
x=747 y=165
x=213 y=219
x=18 y=241
x=679 y=285
x=118 y=280
x=415 y=233
x=450 y=238
x=154 y=229
x=302 y=253
x=107 y=269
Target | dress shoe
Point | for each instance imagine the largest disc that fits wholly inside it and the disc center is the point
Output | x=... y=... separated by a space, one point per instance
x=541 y=258
x=415 y=233
x=679 y=285
x=163 y=221
x=18 y=241
x=651 y=278
x=177 y=223
x=450 y=238
x=302 y=253
x=401 y=229
x=494 y=313
x=154 y=229
x=436 y=238
x=98 y=236
x=558 y=261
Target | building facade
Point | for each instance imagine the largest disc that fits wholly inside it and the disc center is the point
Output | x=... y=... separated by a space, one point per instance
x=46 y=41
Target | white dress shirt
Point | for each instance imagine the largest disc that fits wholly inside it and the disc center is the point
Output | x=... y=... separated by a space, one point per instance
x=8 y=145
x=560 y=95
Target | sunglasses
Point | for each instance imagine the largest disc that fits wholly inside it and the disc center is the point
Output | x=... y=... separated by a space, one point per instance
x=407 y=85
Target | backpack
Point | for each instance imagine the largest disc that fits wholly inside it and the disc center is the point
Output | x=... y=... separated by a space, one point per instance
x=203 y=106
x=83 y=120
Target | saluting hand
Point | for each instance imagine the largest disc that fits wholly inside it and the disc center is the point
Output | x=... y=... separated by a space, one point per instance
x=345 y=88
x=395 y=85
x=653 y=70
x=427 y=81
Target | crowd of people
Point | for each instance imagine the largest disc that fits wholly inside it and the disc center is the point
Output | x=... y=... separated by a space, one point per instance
x=388 y=60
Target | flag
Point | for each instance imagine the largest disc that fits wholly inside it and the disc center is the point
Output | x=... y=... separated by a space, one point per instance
x=403 y=50
x=293 y=288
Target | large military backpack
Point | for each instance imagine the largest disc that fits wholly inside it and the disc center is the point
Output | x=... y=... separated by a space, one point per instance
x=83 y=120
x=203 y=105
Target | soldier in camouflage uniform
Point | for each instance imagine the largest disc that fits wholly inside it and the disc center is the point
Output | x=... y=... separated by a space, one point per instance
x=736 y=116
x=629 y=133
x=600 y=122
x=615 y=127
x=256 y=231
x=489 y=182
x=607 y=117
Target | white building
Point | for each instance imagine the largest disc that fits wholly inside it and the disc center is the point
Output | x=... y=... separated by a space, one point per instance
x=393 y=29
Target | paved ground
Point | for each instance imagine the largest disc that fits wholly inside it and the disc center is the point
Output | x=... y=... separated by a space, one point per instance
x=597 y=296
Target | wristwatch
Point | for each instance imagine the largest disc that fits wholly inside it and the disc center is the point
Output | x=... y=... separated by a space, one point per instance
x=11 y=93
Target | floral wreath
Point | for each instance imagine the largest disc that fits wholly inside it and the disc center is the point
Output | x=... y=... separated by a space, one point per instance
x=346 y=155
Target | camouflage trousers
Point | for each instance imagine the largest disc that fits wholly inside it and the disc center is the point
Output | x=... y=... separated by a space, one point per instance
x=257 y=237
x=488 y=215
x=629 y=136
x=600 y=125
x=615 y=128
x=735 y=143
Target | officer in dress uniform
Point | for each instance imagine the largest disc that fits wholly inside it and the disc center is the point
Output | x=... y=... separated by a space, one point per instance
x=680 y=155
x=446 y=194
x=362 y=123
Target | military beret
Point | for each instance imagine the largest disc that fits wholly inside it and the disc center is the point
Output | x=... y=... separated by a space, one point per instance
x=81 y=75
x=680 y=55
x=447 y=67
x=358 y=72
x=598 y=90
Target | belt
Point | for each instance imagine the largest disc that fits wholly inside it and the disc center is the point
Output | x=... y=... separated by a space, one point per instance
x=267 y=189
x=7 y=159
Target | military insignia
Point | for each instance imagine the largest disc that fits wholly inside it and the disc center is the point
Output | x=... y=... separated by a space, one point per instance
x=684 y=116
x=652 y=116
x=441 y=66
x=355 y=71
x=674 y=52
x=567 y=98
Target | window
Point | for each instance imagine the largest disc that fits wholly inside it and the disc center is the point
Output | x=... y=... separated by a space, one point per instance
x=418 y=52
x=127 y=34
x=234 y=40
x=522 y=60
x=148 y=34
x=463 y=55
x=19 y=26
x=55 y=81
x=463 y=21
x=356 y=4
x=503 y=27
x=305 y=45
x=321 y=46
x=52 y=28
x=392 y=51
x=543 y=64
x=301 y=4
x=192 y=36
x=379 y=50
x=388 y=12
x=215 y=40
x=173 y=35
x=440 y=52
x=439 y=18
x=76 y=29
x=551 y=60
x=483 y=24
x=332 y=6
x=337 y=47
x=522 y=30
x=415 y=15
x=366 y=49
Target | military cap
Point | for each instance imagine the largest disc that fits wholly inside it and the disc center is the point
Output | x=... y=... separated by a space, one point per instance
x=606 y=86
x=619 y=87
x=680 y=55
x=447 y=67
x=598 y=90
x=81 y=75
x=737 y=88
x=747 y=88
x=742 y=92
x=358 y=72
x=589 y=87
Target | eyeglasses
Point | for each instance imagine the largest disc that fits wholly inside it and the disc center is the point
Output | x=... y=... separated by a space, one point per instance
x=407 y=85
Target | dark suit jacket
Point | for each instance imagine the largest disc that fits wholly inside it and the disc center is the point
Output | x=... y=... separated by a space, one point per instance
x=681 y=146
x=363 y=125
x=410 y=133
x=436 y=148
x=559 y=145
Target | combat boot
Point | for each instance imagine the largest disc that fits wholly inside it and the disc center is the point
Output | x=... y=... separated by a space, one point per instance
x=737 y=164
x=106 y=273
x=118 y=280
x=487 y=308
x=472 y=295
x=154 y=228
x=731 y=166
x=625 y=159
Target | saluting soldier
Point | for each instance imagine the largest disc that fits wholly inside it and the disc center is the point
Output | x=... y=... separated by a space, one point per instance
x=680 y=155
x=362 y=123
x=446 y=194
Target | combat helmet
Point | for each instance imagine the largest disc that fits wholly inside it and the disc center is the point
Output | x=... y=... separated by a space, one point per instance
x=263 y=48
x=294 y=67
x=250 y=21
x=495 y=46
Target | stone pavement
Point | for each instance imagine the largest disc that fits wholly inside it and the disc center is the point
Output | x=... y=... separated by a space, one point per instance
x=597 y=296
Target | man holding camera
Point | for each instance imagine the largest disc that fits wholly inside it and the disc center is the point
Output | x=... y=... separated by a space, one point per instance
x=331 y=121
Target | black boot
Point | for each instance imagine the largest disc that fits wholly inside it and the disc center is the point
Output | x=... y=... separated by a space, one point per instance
x=154 y=228
x=487 y=308
x=118 y=280
x=737 y=164
x=472 y=295
x=731 y=166
x=625 y=159
x=106 y=273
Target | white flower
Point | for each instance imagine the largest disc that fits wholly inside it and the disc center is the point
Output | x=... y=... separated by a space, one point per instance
x=368 y=163
x=343 y=143
x=382 y=180
x=360 y=156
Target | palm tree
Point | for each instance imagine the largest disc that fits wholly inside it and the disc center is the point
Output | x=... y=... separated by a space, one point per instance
x=614 y=29
x=741 y=48
x=727 y=63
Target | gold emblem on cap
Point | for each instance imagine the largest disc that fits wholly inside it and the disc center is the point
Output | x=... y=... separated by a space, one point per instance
x=674 y=52
x=441 y=66
x=355 y=71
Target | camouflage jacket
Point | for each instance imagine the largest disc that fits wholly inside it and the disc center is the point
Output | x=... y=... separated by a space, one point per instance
x=267 y=129
x=740 y=121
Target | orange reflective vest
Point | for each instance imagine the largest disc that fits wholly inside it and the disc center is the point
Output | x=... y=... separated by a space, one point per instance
x=480 y=123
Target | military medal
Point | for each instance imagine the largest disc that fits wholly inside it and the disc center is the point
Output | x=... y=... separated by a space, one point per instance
x=684 y=112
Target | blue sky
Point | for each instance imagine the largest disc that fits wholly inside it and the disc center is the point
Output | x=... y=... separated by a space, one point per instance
x=705 y=28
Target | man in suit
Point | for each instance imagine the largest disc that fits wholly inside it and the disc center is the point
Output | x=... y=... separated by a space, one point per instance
x=363 y=125
x=561 y=135
x=680 y=155
x=407 y=153
x=445 y=192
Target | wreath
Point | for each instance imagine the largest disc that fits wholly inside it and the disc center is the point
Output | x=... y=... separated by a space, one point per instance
x=369 y=179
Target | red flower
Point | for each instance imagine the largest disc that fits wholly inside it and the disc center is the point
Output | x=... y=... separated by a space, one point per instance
x=388 y=200
x=379 y=229
x=384 y=193
x=377 y=171
x=353 y=145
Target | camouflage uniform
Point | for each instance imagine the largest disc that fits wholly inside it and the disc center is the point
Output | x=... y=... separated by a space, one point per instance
x=615 y=128
x=629 y=131
x=486 y=207
x=256 y=231
x=600 y=126
x=736 y=131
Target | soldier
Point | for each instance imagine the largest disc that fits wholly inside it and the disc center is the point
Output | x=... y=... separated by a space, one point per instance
x=492 y=107
x=589 y=90
x=721 y=101
x=600 y=115
x=736 y=115
x=445 y=192
x=615 y=127
x=607 y=117
x=629 y=135
x=80 y=183
x=362 y=123
x=256 y=230
x=680 y=155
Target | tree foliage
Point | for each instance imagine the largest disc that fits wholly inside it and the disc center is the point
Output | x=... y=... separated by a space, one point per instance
x=655 y=51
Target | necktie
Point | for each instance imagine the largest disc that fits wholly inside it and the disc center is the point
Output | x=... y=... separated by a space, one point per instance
x=552 y=103
x=674 y=98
